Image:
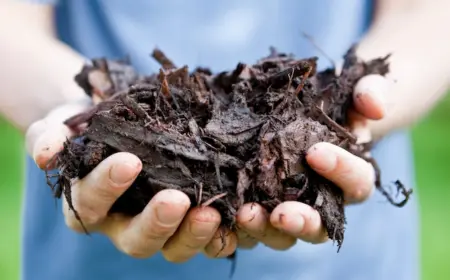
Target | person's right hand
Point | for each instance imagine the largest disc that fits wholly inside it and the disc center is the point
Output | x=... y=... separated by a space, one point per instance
x=166 y=224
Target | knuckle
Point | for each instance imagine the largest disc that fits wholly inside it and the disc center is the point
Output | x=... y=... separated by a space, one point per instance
x=91 y=217
x=364 y=186
x=159 y=233
x=77 y=224
x=87 y=213
x=224 y=250
x=132 y=245
x=320 y=238
x=174 y=257
x=358 y=194
x=86 y=217
x=70 y=219
x=210 y=216
x=245 y=240
x=247 y=245
x=135 y=251
x=284 y=244
x=211 y=251
x=104 y=191
x=72 y=223
x=155 y=232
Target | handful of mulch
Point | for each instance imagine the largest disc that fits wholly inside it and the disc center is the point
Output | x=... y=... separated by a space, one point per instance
x=224 y=139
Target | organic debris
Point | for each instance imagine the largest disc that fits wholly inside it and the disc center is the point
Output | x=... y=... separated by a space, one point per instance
x=223 y=139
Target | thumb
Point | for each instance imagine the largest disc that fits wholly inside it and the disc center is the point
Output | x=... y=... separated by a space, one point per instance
x=46 y=137
x=369 y=96
x=360 y=127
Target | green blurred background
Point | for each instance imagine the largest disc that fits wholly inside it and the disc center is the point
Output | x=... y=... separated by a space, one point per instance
x=432 y=153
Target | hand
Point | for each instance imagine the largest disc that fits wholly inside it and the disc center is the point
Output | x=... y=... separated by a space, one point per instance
x=165 y=225
x=168 y=226
x=352 y=174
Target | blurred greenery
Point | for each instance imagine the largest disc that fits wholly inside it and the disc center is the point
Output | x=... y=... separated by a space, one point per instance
x=431 y=149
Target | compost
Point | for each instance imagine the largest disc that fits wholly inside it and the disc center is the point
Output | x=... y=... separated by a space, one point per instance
x=225 y=138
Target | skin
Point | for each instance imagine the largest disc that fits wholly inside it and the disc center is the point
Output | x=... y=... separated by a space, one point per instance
x=168 y=226
x=49 y=96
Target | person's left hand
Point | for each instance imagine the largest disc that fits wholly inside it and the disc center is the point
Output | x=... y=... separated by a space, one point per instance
x=352 y=174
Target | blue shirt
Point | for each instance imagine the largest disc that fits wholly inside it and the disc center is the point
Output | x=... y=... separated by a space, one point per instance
x=381 y=240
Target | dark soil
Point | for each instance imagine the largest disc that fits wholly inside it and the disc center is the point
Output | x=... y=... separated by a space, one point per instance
x=224 y=139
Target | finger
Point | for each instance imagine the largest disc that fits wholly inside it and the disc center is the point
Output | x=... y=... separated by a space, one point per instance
x=147 y=233
x=352 y=174
x=49 y=143
x=32 y=134
x=223 y=244
x=299 y=220
x=93 y=196
x=196 y=231
x=360 y=127
x=254 y=219
x=369 y=96
x=45 y=138
x=62 y=113
x=245 y=240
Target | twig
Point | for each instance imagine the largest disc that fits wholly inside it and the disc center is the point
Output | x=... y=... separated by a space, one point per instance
x=214 y=198
x=302 y=83
x=311 y=40
x=181 y=73
x=338 y=128
x=200 y=193
x=162 y=59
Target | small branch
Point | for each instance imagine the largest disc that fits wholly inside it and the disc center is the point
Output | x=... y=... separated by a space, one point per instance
x=164 y=84
x=311 y=40
x=282 y=78
x=179 y=74
x=200 y=194
x=335 y=126
x=135 y=108
x=163 y=60
x=304 y=77
x=214 y=198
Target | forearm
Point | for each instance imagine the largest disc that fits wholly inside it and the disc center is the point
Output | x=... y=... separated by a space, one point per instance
x=36 y=69
x=415 y=34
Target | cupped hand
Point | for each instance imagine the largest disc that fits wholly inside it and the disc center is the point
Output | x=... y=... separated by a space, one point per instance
x=292 y=221
x=166 y=224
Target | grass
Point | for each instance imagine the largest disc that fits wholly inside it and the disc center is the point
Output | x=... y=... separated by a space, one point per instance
x=431 y=150
x=11 y=161
x=432 y=153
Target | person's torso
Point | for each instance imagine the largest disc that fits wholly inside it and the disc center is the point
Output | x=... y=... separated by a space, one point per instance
x=219 y=34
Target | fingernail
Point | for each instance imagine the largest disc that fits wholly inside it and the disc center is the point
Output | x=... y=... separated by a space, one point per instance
x=370 y=93
x=298 y=223
x=292 y=224
x=367 y=99
x=124 y=172
x=321 y=159
x=167 y=215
